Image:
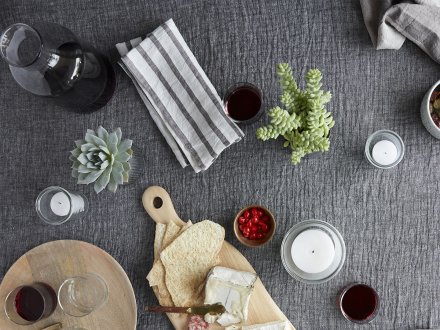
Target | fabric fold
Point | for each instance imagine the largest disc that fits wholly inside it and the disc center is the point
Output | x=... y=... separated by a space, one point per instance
x=390 y=22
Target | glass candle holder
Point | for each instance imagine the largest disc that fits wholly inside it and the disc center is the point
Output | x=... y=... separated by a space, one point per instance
x=243 y=103
x=359 y=303
x=56 y=205
x=384 y=149
x=28 y=304
x=313 y=251
x=80 y=295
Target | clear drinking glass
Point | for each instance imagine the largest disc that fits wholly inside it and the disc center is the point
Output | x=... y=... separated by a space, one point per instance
x=28 y=304
x=81 y=295
x=56 y=205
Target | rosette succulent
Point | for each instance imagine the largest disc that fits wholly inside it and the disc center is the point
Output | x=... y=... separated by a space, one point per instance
x=102 y=158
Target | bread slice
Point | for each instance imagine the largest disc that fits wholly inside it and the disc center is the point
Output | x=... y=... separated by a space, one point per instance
x=158 y=238
x=188 y=259
x=156 y=276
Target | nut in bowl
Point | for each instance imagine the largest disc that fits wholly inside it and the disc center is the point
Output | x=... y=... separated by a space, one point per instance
x=430 y=110
x=254 y=226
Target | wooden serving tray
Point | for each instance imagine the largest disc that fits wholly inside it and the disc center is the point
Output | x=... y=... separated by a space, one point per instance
x=52 y=263
x=262 y=308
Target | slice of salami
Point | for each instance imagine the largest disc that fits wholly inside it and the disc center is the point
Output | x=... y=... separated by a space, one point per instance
x=196 y=322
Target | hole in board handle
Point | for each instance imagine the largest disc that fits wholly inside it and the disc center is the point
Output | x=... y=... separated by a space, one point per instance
x=157 y=202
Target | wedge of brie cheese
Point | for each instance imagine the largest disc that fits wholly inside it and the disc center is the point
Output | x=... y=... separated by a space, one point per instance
x=277 y=325
x=231 y=288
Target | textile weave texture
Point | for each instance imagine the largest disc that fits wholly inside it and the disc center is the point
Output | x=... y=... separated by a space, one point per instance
x=389 y=219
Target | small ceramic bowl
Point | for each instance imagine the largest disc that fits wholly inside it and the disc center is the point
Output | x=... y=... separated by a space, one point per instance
x=249 y=242
x=427 y=121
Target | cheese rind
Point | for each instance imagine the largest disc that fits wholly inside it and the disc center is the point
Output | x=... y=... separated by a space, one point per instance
x=231 y=288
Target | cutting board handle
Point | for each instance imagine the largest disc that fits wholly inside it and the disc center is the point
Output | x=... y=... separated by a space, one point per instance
x=157 y=202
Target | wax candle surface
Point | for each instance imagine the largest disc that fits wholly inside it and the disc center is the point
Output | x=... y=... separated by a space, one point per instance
x=384 y=152
x=60 y=204
x=313 y=251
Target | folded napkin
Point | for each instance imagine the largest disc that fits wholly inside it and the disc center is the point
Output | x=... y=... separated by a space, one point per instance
x=179 y=96
x=390 y=22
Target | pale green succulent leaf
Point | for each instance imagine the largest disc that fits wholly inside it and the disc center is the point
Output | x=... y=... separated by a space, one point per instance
x=112 y=186
x=105 y=149
x=86 y=147
x=102 y=181
x=91 y=166
x=75 y=173
x=105 y=164
x=125 y=145
x=90 y=138
x=87 y=178
x=102 y=156
x=118 y=133
x=76 y=152
x=126 y=166
x=125 y=177
x=102 y=133
x=83 y=159
x=84 y=169
x=122 y=157
x=112 y=144
x=117 y=176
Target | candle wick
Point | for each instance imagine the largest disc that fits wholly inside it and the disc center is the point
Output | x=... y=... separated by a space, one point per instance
x=313 y=251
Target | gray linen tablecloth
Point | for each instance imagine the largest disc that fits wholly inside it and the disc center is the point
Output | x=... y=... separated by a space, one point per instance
x=389 y=219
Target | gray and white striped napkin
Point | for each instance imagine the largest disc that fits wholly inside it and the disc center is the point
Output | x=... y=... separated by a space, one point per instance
x=179 y=96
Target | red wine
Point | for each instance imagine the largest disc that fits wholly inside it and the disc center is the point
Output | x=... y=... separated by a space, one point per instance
x=35 y=302
x=243 y=103
x=359 y=302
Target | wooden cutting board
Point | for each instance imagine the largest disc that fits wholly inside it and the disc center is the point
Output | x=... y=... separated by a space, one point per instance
x=52 y=263
x=262 y=308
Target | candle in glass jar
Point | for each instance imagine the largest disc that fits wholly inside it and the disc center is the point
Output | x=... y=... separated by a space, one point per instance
x=313 y=251
x=384 y=152
x=60 y=204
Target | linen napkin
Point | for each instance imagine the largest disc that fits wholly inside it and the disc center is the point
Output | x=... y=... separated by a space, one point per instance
x=390 y=22
x=179 y=96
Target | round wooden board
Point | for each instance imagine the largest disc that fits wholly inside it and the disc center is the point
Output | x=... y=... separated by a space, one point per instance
x=55 y=261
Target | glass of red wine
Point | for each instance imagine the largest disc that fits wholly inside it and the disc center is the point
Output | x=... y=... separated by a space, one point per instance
x=359 y=303
x=28 y=304
x=243 y=103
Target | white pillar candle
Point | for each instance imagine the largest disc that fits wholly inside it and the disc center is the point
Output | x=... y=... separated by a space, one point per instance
x=313 y=251
x=384 y=152
x=60 y=204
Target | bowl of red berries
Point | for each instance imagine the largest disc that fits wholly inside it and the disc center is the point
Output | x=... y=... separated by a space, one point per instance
x=254 y=226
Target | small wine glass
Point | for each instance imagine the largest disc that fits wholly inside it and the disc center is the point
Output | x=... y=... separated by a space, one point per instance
x=81 y=295
x=28 y=304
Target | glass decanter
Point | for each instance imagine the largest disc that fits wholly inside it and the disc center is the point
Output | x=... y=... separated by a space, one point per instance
x=48 y=60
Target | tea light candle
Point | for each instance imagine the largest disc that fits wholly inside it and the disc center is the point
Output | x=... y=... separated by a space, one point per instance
x=313 y=251
x=384 y=152
x=60 y=204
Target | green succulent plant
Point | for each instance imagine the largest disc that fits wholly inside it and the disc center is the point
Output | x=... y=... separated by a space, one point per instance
x=102 y=158
x=303 y=121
